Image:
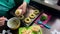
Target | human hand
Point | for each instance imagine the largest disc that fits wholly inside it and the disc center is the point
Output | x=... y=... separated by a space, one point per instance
x=2 y=20
x=23 y=7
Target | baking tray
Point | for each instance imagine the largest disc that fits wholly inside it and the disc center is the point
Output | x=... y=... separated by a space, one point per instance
x=30 y=10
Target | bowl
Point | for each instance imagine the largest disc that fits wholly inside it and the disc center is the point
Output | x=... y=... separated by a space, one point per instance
x=13 y=23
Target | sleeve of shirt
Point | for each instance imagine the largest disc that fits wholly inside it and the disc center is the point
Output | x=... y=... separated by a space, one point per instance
x=27 y=1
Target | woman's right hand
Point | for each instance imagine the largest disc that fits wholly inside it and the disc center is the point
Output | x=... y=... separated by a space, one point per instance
x=2 y=20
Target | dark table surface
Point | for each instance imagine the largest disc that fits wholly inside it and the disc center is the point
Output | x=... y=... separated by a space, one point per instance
x=54 y=22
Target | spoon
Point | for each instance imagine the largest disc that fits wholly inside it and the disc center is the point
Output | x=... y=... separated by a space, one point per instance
x=45 y=25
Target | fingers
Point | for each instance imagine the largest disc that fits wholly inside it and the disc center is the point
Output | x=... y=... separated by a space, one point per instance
x=23 y=7
x=23 y=10
x=2 y=19
x=2 y=22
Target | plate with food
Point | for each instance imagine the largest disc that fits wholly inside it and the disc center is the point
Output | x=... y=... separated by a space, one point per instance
x=30 y=30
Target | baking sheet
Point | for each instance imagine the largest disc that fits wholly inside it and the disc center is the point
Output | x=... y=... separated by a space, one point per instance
x=30 y=10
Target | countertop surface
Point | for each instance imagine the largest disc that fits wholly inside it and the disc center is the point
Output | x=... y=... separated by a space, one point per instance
x=55 y=26
x=55 y=6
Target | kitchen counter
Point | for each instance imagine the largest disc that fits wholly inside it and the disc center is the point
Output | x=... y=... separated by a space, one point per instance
x=55 y=26
x=54 y=6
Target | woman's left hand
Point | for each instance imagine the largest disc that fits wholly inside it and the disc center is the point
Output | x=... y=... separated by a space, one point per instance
x=23 y=7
